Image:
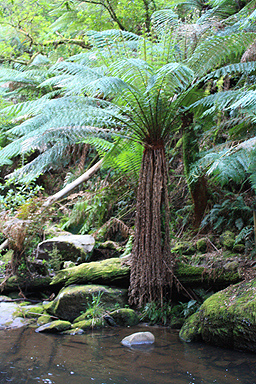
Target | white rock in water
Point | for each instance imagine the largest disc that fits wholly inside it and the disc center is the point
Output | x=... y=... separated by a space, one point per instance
x=138 y=339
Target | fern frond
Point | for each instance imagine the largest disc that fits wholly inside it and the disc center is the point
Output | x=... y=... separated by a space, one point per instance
x=164 y=19
x=213 y=51
x=242 y=68
x=227 y=162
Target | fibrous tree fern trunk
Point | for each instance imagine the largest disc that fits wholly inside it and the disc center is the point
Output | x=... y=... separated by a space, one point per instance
x=151 y=263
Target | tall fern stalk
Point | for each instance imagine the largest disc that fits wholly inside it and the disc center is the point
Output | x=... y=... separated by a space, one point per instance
x=151 y=261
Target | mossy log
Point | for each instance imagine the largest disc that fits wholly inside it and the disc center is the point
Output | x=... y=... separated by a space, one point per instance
x=31 y=284
x=114 y=272
x=106 y=272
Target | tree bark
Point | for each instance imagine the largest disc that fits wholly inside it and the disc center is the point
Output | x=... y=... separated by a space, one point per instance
x=151 y=262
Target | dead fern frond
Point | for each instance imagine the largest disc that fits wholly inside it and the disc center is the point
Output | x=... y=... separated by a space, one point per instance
x=111 y=227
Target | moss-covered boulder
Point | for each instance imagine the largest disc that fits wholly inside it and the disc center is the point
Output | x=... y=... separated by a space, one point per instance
x=125 y=317
x=184 y=248
x=226 y=319
x=110 y=271
x=89 y=324
x=191 y=329
x=54 y=326
x=76 y=299
x=227 y=239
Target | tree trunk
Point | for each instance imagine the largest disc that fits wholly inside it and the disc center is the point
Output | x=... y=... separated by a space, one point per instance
x=151 y=262
x=198 y=188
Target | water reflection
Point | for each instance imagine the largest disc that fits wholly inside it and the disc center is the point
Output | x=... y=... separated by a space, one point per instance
x=99 y=358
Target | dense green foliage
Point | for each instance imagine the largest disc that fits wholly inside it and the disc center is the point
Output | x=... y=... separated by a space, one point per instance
x=121 y=80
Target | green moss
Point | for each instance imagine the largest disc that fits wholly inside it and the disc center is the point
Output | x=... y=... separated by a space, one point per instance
x=189 y=273
x=103 y=272
x=44 y=319
x=184 y=248
x=125 y=317
x=33 y=312
x=227 y=239
x=191 y=329
x=89 y=324
x=7 y=257
x=55 y=326
x=201 y=245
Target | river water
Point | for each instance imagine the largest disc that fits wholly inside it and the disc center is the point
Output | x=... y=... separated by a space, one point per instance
x=99 y=358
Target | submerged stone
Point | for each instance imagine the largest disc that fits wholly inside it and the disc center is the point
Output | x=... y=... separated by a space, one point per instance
x=138 y=338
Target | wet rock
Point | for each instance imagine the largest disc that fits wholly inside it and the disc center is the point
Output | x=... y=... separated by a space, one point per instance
x=138 y=338
x=74 y=331
x=75 y=299
x=68 y=264
x=70 y=247
x=44 y=319
x=226 y=319
x=89 y=324
x=7 y=317
x=55 y=326
x=110 y=271
x=191 y=329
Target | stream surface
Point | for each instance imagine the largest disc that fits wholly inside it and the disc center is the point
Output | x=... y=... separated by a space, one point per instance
x=99 y=358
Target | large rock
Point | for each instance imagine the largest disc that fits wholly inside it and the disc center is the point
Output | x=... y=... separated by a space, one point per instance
x=110 y=271
x=70 y=247
x=75 y=299
x=226 y=319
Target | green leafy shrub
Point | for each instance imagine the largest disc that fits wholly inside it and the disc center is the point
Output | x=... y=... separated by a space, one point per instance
x=231 y=213
x=13 y=196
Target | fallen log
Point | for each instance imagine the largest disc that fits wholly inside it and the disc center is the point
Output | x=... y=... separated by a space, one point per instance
x=68 y=188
